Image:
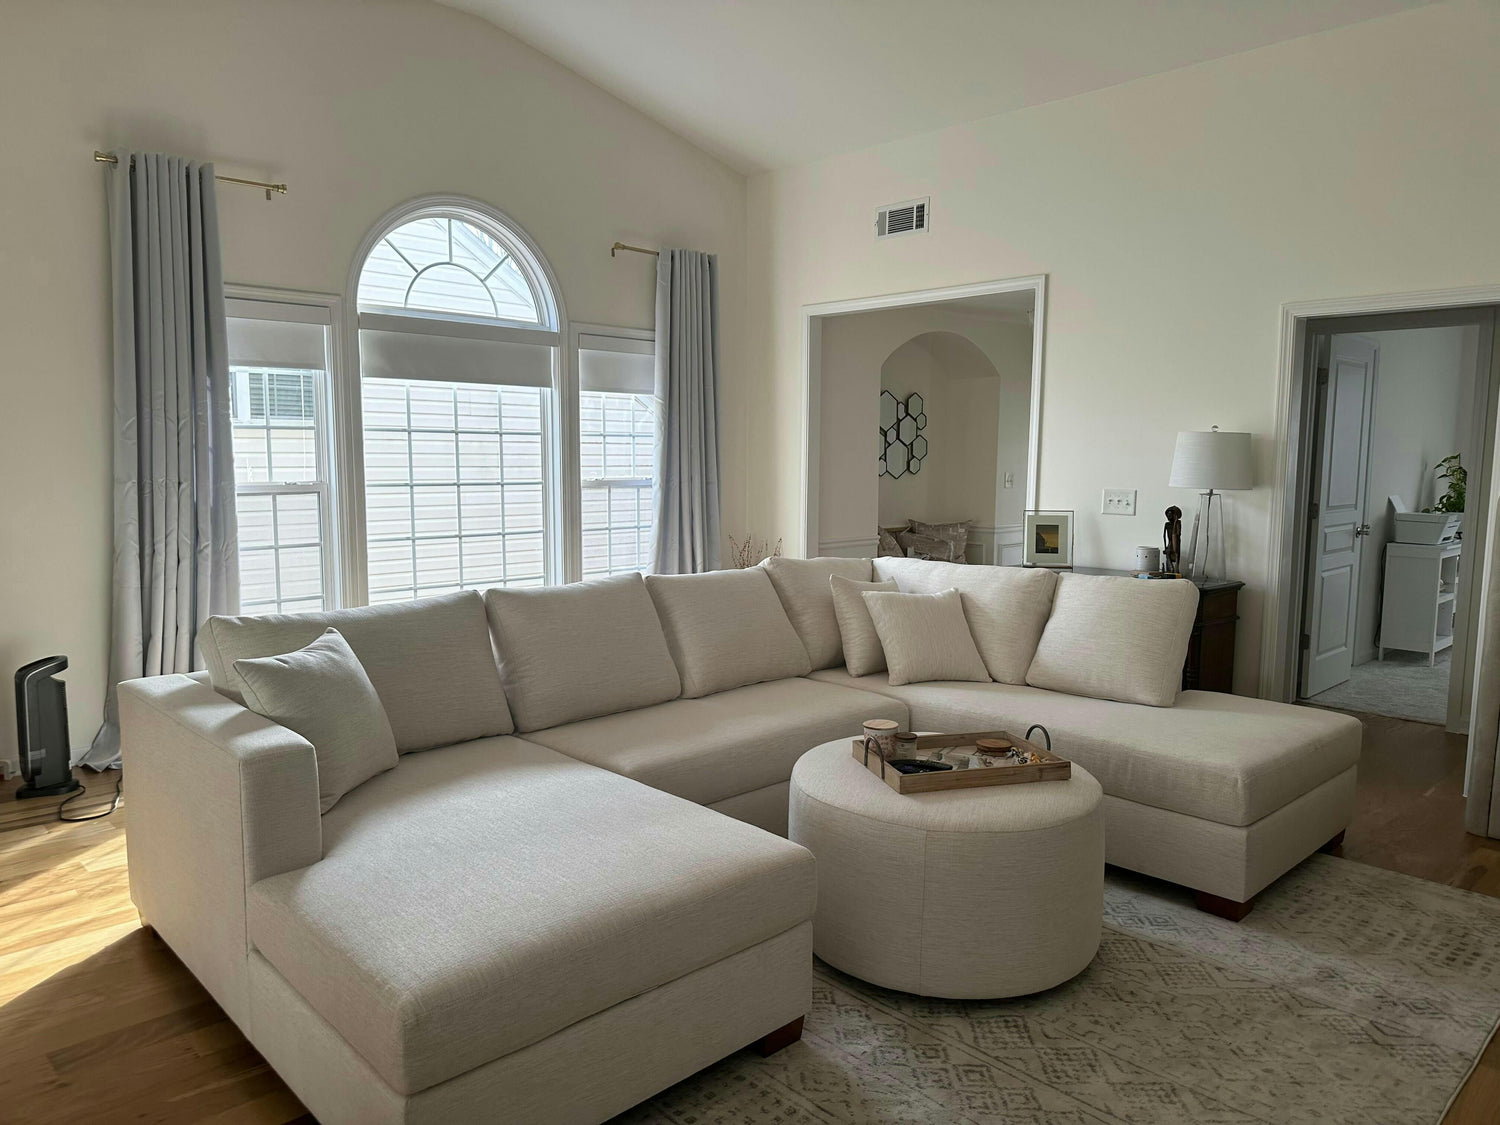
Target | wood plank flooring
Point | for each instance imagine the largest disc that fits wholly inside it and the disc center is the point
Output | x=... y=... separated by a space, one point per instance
x=99 y=1022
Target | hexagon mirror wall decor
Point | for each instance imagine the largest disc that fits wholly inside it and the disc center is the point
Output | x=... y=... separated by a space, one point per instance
x=902 y=446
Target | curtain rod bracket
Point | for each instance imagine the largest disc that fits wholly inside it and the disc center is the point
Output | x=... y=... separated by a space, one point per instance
x=634 y=249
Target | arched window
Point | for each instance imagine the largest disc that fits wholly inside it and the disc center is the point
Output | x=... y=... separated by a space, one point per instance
x=458 y=345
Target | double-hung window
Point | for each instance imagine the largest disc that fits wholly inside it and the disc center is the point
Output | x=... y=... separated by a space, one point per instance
x=617 y=427
x=458 y=341
x=278 y=376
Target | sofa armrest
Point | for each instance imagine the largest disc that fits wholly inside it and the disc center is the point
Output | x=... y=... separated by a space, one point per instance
x=218 y=798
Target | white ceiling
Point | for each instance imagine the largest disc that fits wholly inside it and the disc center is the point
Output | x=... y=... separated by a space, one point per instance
x=775 y=83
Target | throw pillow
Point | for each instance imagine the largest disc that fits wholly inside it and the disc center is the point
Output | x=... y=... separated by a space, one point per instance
x=322 y=693
x=862 y=652
x=957 y=534
x=925 y=637
x=919 y=546
x=1118 y=638
x=888 y=547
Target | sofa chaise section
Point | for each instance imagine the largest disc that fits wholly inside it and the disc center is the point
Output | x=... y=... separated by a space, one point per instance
x=1221 y=793
x=477 y=901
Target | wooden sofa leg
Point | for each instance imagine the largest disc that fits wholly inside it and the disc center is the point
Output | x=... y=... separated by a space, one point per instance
x=781 y=1037
x=1223 y=907
x=1334 y=844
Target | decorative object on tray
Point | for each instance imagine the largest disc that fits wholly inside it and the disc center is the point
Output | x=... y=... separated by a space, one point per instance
x=902 y=446
x=1214 y=462
x=964 y=761
x=1047 y=540
x=882 y=734
x=742 y=556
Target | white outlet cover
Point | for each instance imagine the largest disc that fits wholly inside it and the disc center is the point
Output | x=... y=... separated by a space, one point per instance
x=1118 y=502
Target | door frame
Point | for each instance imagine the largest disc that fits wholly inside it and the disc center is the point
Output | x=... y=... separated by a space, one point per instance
x=1301 y=322
x=812 y=377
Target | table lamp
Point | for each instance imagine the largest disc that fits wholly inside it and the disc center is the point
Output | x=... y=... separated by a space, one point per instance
x=1213 y=462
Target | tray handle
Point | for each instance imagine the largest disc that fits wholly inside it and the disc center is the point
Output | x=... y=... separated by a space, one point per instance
x=869 y=741
x=1045 y=734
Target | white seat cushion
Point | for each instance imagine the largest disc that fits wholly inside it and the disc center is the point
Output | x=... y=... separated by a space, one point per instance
x=430 y=660
x=802 y=585
x=479 y=898
x=1006 y=606
x=724 y=745
x=726 y=629
x=1116 y=638
x=576 y=651
x=1224 y=758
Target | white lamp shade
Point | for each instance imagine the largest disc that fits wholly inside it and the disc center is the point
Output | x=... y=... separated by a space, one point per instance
x=1211 y=459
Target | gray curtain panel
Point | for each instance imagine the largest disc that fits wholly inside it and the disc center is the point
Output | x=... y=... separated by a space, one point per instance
x=176 y=558
x=687 y=396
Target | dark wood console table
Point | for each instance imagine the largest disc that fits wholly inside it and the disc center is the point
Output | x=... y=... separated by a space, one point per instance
x=1210 y=656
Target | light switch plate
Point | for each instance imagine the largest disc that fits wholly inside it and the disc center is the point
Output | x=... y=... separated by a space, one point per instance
x=1118 y=502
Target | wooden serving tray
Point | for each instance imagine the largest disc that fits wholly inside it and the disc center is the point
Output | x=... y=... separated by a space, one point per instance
x=1050 y=768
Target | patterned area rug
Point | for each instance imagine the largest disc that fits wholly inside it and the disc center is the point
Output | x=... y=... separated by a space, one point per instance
x=1350 y=994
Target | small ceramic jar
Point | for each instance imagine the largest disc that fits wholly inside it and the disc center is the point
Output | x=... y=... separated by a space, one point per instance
x=883 y=731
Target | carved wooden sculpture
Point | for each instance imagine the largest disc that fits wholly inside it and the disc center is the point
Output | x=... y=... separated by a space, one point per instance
x=1171 y=541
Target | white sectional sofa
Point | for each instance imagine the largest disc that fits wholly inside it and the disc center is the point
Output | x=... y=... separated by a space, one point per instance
x=540 y=913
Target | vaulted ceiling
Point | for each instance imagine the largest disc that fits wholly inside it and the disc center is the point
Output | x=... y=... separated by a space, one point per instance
x=775 y=83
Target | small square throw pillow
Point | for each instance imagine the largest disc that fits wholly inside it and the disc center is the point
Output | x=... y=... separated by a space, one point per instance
x=925 y=637
x=321 y=692
x=862 y=652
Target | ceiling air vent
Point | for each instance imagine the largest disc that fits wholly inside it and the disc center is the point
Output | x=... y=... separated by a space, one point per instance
x=911 y=217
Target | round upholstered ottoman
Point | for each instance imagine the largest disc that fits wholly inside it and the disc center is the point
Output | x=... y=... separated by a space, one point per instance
x=988 y=892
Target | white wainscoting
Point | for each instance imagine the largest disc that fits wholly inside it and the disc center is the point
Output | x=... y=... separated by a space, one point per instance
x=988 y=546
x=995 y=546
x=849 y=548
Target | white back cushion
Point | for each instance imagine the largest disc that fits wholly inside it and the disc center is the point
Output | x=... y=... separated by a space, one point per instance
x=802 y=585
x=578 y=651
x=321 y=692
x=430 y=662
x=726 y=629
x=1116 y=638
x=1006 y=606
x=862 y=652
x=925 y=637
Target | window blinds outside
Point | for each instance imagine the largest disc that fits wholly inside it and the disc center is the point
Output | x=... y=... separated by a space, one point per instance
x=274 y=334
x=616 y=364
x=395 y=347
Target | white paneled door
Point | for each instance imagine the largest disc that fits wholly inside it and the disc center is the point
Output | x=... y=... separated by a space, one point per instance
x=1346 y=397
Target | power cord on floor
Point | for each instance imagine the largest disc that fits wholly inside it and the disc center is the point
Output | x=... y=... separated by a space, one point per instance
x=82 y=789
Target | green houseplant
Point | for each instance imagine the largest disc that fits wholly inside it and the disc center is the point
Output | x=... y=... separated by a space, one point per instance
x=1451 y=470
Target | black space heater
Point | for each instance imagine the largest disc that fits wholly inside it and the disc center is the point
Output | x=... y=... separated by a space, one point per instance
x=42 y=730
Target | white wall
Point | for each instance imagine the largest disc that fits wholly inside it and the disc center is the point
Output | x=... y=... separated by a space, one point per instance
x=358 y=105
x=855 y=349
x=1173 y=216
x=1424 y=388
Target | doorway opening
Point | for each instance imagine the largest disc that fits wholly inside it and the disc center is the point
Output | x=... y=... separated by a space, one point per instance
x=1398 y=419
x=921 y=421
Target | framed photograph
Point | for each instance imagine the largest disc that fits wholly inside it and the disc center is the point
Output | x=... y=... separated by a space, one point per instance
x=1048 y=540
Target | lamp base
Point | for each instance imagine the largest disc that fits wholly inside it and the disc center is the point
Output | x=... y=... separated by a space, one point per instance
x=1205 y=553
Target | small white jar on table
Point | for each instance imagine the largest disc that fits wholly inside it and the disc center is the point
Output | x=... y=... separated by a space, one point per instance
x=968 y=893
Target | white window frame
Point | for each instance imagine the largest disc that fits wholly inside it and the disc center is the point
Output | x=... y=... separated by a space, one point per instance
x=258 y=302
x=577 y=332
x=562 y=541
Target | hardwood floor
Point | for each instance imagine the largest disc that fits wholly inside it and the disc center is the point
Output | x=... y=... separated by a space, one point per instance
x=99 y=1022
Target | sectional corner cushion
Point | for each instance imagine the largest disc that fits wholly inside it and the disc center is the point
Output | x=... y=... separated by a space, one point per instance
x=802 y=585
x=1116 y=638
x=573 y=652
x=430 y=661
x=1006 y=606
x=726 y=629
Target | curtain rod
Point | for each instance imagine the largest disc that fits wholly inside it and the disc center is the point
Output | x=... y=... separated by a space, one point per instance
x=633 y=249
x=111 y=158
